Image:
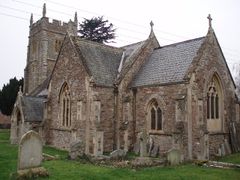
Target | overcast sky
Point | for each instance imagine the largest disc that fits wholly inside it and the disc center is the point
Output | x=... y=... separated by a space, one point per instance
x=174 y=21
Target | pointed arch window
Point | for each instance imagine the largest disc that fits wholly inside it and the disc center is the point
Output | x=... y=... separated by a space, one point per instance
x=213 y=102
x=156 y=117
x=65 y=106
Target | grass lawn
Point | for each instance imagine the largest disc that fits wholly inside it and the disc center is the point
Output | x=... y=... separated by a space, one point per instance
x=66 y=169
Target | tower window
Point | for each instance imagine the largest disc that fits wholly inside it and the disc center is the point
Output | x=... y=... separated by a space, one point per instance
x=58 y=44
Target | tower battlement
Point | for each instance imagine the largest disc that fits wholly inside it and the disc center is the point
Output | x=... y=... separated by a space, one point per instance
x=54 y=25
x=45 y=40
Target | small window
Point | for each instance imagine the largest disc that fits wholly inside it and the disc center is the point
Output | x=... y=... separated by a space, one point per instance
x=159 y=119
x=97 y=110
x=212 y=102
x=153 y=118
x=58 y=44
x=65 y=106
x=156 y=117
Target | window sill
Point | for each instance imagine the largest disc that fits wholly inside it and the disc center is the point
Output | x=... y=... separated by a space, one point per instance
x=158 y=132
x=63 y=129
x=218 y=133
x=213 y=119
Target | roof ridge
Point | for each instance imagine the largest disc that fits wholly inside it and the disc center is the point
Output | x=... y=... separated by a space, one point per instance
x=186 y=41
x=95 y=43
x=132 y=44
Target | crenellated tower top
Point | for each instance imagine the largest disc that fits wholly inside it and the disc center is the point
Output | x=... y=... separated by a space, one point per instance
x=45 y=41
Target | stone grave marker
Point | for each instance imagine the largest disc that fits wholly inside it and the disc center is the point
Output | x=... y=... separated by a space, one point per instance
x=98 y=143
x=155 y=151
x=150 y=145
x=143 y=144
x=76 y=149
x=227 y=147
x=174 y=157
x=118 y=154
x=30 y=151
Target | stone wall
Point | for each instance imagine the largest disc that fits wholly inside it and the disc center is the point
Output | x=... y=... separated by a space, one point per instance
x=68 y=69
x=209 y=62
x=106 y=97
x=166 y=97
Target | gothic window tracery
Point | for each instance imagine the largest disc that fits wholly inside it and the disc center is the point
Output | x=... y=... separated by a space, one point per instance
x=213 y=103
x=65 y=106
x=156 y=117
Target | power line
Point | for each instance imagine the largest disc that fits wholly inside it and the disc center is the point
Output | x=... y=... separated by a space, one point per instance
x=90 y=12
x=19 y=10
x=123 y=28
x=9 y=15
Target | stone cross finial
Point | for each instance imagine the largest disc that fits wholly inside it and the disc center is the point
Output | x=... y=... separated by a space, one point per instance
x=151 y=24
x=210 y=20
x=44 y=10
x=31 y=19
x=75 y=18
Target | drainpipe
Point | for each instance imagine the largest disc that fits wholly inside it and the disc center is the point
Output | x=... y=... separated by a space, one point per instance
x=134 y=90
x=115 y=117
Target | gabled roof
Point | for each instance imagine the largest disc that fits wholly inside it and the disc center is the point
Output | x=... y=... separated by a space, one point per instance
x=168 y=64
x=41 y=90
x=101 y=60
x=33 y=108
x=130 y=50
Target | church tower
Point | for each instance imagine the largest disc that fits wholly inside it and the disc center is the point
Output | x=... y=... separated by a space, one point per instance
x=45 y=40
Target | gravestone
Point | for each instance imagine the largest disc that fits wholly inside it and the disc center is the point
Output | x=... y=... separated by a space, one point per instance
x=30 y=151
x=227 y=147
x=76 y=149
x=118 y=154
x=174 y=157
x=155 y=151
x=143 y=144
x=98 y=143
x=150 y=145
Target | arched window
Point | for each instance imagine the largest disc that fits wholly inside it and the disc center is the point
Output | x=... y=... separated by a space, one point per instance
x=213 y=102
x=65 y=102
x=156 y=116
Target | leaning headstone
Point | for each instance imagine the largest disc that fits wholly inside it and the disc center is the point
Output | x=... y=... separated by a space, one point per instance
x=118 y=154
x=143 y=144
x=30 y=151
x=223 y=153
x=174 y=157
x=76 y=149
x=150 y=145
x=227 y=147
x=155 y=151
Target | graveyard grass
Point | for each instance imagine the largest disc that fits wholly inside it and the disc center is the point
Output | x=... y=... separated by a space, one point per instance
x=66 y=169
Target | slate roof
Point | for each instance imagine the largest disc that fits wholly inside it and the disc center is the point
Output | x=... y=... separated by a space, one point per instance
x=168 y=64
x=101 y=60
x=41 y=90
x=33 y=108
x=130 y=50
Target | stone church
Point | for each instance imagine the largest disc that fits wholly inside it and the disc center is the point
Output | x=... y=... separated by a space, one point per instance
x=181 y=95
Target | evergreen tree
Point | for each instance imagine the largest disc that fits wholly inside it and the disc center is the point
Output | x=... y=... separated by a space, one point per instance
x=8 y=95
x=97 y=29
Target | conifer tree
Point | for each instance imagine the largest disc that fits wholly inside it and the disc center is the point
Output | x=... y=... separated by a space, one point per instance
x=97 y=29
x=8 y=95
